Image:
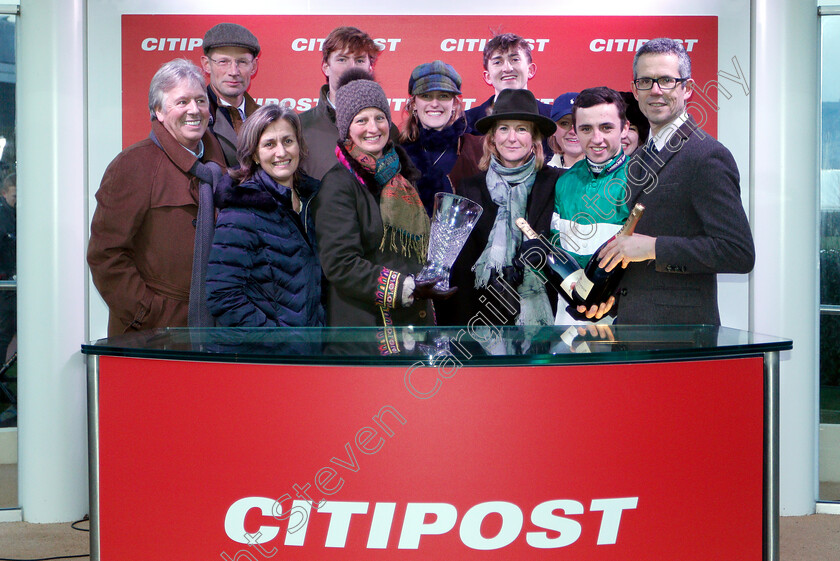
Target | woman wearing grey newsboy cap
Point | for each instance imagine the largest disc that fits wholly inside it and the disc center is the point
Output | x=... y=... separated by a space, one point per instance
x=435 y=134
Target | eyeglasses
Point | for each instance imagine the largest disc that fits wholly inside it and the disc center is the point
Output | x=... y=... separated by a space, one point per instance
x=664 y=82
x=225 y=63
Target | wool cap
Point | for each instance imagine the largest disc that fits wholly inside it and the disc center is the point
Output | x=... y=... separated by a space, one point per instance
x=516 y=105
x=434 y=76
x=562 y=106
x=357 y=92
x=230 y=35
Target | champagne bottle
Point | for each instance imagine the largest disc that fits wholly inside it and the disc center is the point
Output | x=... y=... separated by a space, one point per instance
x=596 y=285
x=563 y=267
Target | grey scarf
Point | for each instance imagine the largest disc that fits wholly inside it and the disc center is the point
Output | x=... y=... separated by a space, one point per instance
x=209 y=175
x=509 y=189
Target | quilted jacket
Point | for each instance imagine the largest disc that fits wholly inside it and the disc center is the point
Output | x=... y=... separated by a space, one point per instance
x=264 y=269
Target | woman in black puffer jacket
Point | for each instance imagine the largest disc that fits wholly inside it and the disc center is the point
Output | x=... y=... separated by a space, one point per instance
x=264 y=269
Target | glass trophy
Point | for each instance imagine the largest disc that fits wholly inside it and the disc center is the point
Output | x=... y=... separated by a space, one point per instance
x=452 y=221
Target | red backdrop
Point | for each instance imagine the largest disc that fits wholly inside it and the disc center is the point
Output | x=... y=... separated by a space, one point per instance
x=571 y=53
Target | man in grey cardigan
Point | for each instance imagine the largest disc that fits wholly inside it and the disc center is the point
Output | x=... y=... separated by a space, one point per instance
x=694 y=225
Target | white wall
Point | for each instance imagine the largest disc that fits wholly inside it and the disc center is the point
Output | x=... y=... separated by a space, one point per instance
x=785 y=295
x=52 y=162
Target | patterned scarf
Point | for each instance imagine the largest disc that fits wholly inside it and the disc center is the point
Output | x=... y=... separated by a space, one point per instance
x=406 y=224
x=509 y=189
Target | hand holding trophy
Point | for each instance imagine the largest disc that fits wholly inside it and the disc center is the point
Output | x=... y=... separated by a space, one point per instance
x=453 y=219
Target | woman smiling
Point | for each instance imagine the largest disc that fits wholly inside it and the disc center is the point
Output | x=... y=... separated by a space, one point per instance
x=564 y=142
x=264 y=269
x=373 y=231
x=434 y=131
x=515 y=185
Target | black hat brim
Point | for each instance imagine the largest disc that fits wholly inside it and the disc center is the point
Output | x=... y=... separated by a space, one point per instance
x=545 y=125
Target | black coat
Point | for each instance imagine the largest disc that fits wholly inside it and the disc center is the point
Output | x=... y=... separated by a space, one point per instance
x=444 y=158
x=467 y=303
x=263 y=269
x=361 y=276
x=693 y=208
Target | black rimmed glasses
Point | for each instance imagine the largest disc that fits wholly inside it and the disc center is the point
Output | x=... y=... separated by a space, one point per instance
x=225 y=63
x=664 y=82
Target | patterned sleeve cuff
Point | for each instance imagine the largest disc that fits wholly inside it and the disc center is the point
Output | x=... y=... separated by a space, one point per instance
x=388 y=289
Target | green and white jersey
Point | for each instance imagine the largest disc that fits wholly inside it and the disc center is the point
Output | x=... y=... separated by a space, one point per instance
x=588 y=208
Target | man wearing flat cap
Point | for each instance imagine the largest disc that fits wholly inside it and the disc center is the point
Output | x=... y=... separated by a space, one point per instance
x=230 y=60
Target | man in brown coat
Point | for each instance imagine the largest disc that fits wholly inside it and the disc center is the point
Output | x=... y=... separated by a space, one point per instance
x=143 y=231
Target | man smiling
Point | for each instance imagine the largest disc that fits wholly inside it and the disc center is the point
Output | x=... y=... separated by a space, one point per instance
x=142 y=236
x=507 y=65
x=694 y=225
x=589 y=198
x=344 y=48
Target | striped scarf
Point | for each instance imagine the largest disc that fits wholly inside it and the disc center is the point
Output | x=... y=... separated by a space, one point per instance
x=406 y=224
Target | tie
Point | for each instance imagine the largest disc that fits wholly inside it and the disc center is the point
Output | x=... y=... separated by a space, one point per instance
x=651 y=147
x=235 y=118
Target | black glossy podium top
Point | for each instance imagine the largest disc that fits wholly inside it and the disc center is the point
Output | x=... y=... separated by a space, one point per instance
x=470 y=346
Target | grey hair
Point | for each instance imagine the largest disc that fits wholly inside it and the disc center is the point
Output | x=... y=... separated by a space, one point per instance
x=664 y=46
x=168 y=76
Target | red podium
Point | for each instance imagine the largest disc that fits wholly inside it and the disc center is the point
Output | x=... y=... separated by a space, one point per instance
x=512 y=444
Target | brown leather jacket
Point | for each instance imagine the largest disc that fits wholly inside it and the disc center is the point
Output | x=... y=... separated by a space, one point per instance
x=142 y=233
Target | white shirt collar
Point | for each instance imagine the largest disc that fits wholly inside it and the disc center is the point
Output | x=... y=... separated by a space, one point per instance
x=665 y=133
x=199 y=151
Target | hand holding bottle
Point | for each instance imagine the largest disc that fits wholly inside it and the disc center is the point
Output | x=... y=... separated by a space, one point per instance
x=560 y=268
x=597 y=311
x=625 y=250
x=597 y=285
x=533 y=252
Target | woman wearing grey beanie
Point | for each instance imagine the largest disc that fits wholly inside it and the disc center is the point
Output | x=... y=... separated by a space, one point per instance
x=372 y=229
